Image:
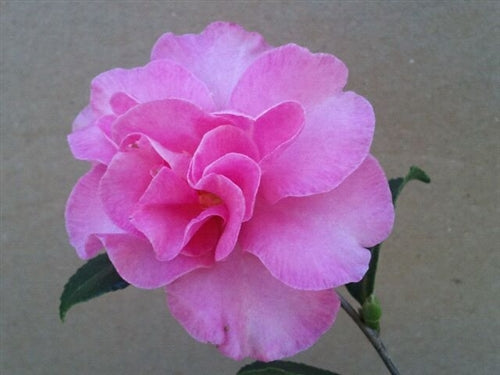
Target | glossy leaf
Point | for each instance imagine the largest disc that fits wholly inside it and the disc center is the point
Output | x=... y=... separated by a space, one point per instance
x=282 y=368
x=94 y=278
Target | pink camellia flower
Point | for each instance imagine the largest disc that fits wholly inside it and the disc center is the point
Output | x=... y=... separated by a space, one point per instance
x=237 y=176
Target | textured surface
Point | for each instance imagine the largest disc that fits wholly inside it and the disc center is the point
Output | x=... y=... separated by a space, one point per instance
x=431 y=73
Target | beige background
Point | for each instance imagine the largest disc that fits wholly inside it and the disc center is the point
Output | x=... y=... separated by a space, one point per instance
x=431 y=70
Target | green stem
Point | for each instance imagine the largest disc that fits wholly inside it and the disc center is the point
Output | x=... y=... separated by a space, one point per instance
x=371 y=335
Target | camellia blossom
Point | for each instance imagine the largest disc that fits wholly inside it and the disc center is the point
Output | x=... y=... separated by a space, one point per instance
x=237 y=176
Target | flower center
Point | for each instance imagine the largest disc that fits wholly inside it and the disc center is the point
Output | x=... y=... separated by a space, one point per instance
x=207 y=199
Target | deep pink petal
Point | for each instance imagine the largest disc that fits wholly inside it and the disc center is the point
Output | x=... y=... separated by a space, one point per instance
x=203 y=232
x=135 y=262
x=217 y=143
x=217 y=56
x=239 y=307
x=126 y=180
x=244 y=172
x=277 y=127
x=121 y=102
x=91 y=143
x=288 y=73
x=85 y=216
x=232 y=197
x=335 y=140
x=175 y=124
x=319 y=242
x=157 y=80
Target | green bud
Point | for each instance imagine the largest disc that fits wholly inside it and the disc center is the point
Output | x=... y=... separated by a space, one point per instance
x=371 y=312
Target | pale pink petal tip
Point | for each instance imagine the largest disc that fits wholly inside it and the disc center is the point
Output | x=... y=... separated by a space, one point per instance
x=217 y=56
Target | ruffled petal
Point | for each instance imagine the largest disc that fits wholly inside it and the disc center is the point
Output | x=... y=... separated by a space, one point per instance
x=135 y=262
x=157 y=80
x=239 y=307
x=288 y=73
x=244 y=172
x=85 y=216
x=217 y=143
x=164 y=226
x=217 y=56
x=319 y=242
x=125 y=181
x=334 y=142
x=176 y=125
x=230 y=196
x=203 y=232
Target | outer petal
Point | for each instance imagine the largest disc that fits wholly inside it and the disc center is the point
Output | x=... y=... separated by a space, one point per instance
x=157 y=80
x=91 y=143
x=135 y=261
x=238 y=306
x=84 y=118
x=217 y=56
x=334 y=142
x=85 y=216
x=288 y=73
x=319 y=242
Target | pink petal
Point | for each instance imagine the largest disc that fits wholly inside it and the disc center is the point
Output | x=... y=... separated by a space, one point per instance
x=244 y=172
x=239 y=307
x=277 y=127
x=288 y=73
x=203 y=232
x=135 y=262
x=175 y=124
x=217 y=56
x=167 y=188
x=85 y=216
x=126 y=180
x=121 y=103
x=91 y=143
x=234 y=201
x=319 y=242
x=164 y=226
x=335 y=140
x=157 y=80
x=217 y=143
x=85 y=118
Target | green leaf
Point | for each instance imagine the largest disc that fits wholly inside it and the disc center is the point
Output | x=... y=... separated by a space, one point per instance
x=365 y=288
x=96 y=277
x=397 y=184
x=282 y=368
